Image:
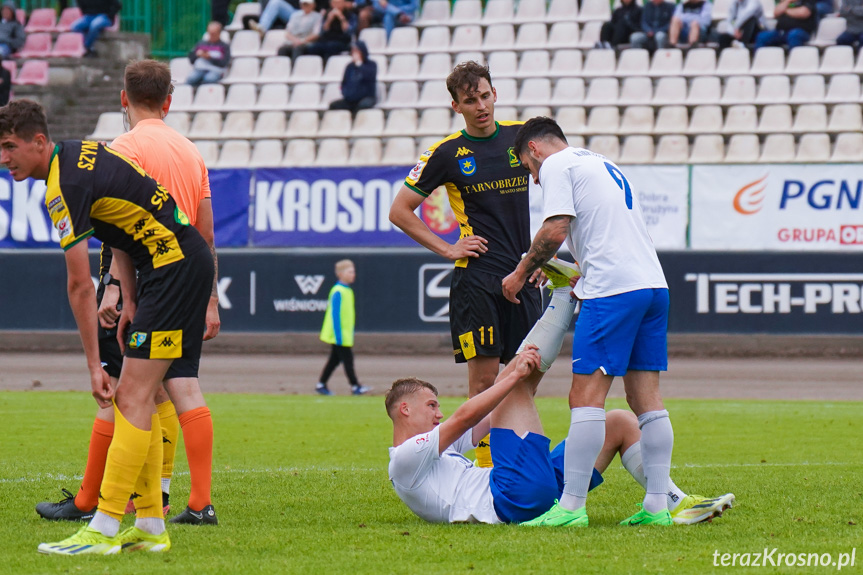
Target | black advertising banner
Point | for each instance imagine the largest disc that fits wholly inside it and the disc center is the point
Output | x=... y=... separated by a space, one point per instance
x=406 y=290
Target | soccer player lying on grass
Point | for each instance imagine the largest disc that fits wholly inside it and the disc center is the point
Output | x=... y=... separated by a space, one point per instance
x=439 y=484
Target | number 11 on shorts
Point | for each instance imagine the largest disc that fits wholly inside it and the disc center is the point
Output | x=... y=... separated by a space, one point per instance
x=481 y=331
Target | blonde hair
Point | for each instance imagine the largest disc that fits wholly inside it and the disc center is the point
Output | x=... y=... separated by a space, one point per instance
x=343 y=265
x=402 y=388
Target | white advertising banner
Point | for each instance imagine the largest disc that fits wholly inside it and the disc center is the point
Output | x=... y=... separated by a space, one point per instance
x=777 y=207
x=662 y=192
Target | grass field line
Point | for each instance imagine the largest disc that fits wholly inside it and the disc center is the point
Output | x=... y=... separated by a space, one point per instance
x=63 y=477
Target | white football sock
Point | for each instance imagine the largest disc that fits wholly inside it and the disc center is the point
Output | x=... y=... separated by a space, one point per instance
x=657 y=442
x=547 y=333
x=151 y=525
x=583 y=444
x=166 y=485
x=105 y=524
x=631 y=460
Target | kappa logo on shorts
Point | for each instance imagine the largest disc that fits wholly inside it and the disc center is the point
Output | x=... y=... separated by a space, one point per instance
x=137 y=339
x=467 y=345
x=166 y=344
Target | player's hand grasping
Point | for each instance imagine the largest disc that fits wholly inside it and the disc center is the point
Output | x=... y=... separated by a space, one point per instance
x=108 y=312
x=527 y=361
x=103 y=391
x=512 y=284
x=468 y=247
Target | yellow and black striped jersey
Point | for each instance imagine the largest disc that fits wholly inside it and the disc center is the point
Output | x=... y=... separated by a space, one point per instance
x=487 y=189
x=95 y=191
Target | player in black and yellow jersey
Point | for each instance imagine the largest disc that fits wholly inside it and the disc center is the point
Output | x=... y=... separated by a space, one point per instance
x=488 y=192
x=165 y=270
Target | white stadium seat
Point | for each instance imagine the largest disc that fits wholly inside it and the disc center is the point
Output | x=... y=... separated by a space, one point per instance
x=742 y=149
x=332 y=152
x=778 y=148
x=271 y=124
x=206 y=126
x=707 y=149
x=235 y=154
x=400 y=152
x=303 y=124
x=365 y=152
x=266 y=154
x=637 y=150
x=299 y=153
x=672 y=149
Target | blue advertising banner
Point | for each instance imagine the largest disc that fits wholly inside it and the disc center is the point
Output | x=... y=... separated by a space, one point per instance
x=338 y=207
x=229 y=190
x=24 y=221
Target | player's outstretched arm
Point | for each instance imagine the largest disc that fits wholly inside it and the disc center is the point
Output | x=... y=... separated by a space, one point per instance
x=548 y=240
x=403 y=216
x=82 y=299
x=476 y=408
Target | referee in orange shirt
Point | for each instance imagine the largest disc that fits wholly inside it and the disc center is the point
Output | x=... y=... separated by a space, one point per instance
x=173 y=161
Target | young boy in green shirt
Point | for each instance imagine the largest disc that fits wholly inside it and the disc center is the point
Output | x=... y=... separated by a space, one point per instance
x=338 y=329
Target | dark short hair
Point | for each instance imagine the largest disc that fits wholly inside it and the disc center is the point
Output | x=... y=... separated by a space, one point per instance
x=539 y=128
x=23 y=118
x=466 y=77
x=403 y=387
x=148 y=83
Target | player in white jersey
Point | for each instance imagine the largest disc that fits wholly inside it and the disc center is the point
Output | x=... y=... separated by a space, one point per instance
x=430 y=474
x=621 y=328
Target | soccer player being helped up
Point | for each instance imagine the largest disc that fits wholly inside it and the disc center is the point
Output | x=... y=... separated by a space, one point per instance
x=439 y=484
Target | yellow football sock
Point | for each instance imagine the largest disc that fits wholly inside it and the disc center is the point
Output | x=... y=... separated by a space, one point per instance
x=483 y=452
x=148 y=486
x=126 y=458
x=170 y=435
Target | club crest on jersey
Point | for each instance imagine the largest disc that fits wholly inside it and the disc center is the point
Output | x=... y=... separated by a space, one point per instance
x=514 y=162
x=137 y=339
x=467 y=166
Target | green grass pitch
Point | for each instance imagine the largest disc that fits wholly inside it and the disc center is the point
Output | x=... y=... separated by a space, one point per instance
x=300 y=486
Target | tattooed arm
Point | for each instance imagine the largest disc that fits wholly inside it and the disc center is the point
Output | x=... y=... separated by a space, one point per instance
x=546 y=243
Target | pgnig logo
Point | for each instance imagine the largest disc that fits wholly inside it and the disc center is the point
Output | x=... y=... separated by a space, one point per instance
x=434 y=283
x=850 y=235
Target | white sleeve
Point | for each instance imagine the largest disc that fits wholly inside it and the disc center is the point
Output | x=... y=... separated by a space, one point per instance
x=557 y=197
x=412 y=460
x=464 y=443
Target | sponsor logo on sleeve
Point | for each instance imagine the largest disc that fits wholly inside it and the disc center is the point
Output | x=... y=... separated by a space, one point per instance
x=64 y=227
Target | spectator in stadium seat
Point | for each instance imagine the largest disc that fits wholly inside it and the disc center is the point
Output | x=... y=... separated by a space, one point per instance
x=824 y=8
x=852 y=11
x=304 y=27
x=394 y=13
x=655 y=22
x=274 y=10
x=625 y=21
x=209 y=58
x=96 y=15
x=336 y=31
x=359 y=84
x=796 y=21
x=743 y=23
x=691 y=20
x=12 y=33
